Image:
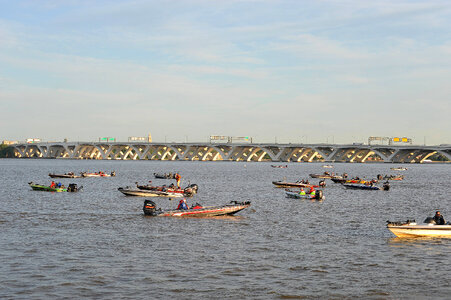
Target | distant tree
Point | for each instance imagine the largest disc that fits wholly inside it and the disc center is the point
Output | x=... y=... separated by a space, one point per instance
x=6 y=151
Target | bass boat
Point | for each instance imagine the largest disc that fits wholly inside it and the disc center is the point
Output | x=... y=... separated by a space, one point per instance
x=150 y=209
x=165 y=175
x=98 y=174
x=394 y=177
x=318 y=196
x=66 y=175
x=151 y=193
x=410 y=228
x=359 y=186
x=280 y=166
x=398 y=169
x=71 y=188
x=353 y=181
x=187 y=192
x=325 y=175
x=284 y=184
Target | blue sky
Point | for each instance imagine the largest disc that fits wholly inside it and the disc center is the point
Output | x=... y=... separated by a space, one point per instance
x=291 y=71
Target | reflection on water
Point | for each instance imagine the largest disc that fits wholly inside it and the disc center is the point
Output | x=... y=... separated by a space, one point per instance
x=98 y=244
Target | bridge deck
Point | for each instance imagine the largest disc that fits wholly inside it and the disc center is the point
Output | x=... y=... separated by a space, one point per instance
x=232 y=152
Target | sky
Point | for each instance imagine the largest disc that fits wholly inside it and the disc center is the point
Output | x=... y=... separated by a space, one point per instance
x=277 y=71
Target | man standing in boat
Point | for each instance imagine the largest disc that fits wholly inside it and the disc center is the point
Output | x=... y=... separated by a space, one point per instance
x=178 y=177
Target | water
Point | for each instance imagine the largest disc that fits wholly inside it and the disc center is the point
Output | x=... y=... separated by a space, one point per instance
x=98 y=244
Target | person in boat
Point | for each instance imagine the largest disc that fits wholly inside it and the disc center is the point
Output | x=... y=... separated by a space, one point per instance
x=438 y=218
x=312 y=191
x=302 y=192
x=178 y=177
x=182 y=204
x=322 y=183
x=58 y=185
x=52 y=184
x=172 y=186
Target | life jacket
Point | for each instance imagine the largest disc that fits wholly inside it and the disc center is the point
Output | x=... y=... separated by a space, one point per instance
x=182 y=205
x=302 y=192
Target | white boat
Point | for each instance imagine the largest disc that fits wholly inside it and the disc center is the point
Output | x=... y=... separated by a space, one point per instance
x=398 y=169
x=412 y=229
x=147 y=193
x=328 y=166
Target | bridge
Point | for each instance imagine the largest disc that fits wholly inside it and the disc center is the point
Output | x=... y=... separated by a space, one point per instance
x=358 y=153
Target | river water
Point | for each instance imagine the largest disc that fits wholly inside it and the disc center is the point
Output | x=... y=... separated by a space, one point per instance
x=98 y=244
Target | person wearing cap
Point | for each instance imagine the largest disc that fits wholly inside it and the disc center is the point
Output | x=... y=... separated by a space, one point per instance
x=438 y=218
x=182 y=204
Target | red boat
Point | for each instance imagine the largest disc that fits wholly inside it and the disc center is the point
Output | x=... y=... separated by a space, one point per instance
x=150 y=209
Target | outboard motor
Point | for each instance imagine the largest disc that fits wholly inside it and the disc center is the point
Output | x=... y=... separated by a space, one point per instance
x=386 y=186
x=194 y=187
x=380 y=177
x=72 y=188
x=149 y=208
x=113 y=174
x=319 y=195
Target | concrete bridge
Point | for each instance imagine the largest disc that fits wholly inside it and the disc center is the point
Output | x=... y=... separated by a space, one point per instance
x=231 y=152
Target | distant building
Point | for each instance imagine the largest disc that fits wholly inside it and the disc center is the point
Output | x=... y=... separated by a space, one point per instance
x=5 y=142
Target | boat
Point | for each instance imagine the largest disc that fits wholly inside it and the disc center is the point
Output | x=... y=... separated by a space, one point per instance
x=65 y=175
x=39 y=187
x=398 y=169
x=98 y=174
x=188 y=191
x=280 y=166
x=328 y=166
x=284 y=184
x=394 y=177
x=318 y=196
x=359 y=186
x=326 y=175
x=410 y=228
x=165 y=175
x=152 y=193
x=343 y=180
x=150 y=209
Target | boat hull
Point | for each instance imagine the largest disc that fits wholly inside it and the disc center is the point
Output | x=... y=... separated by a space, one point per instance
x=362 y=187
x=148 y=193
x=94 y=175
x=442 y=231
x=44 y=188
x=325 y=176
x=211 y=211
x=63 y=176
x=283 y=184
x=295 y=195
